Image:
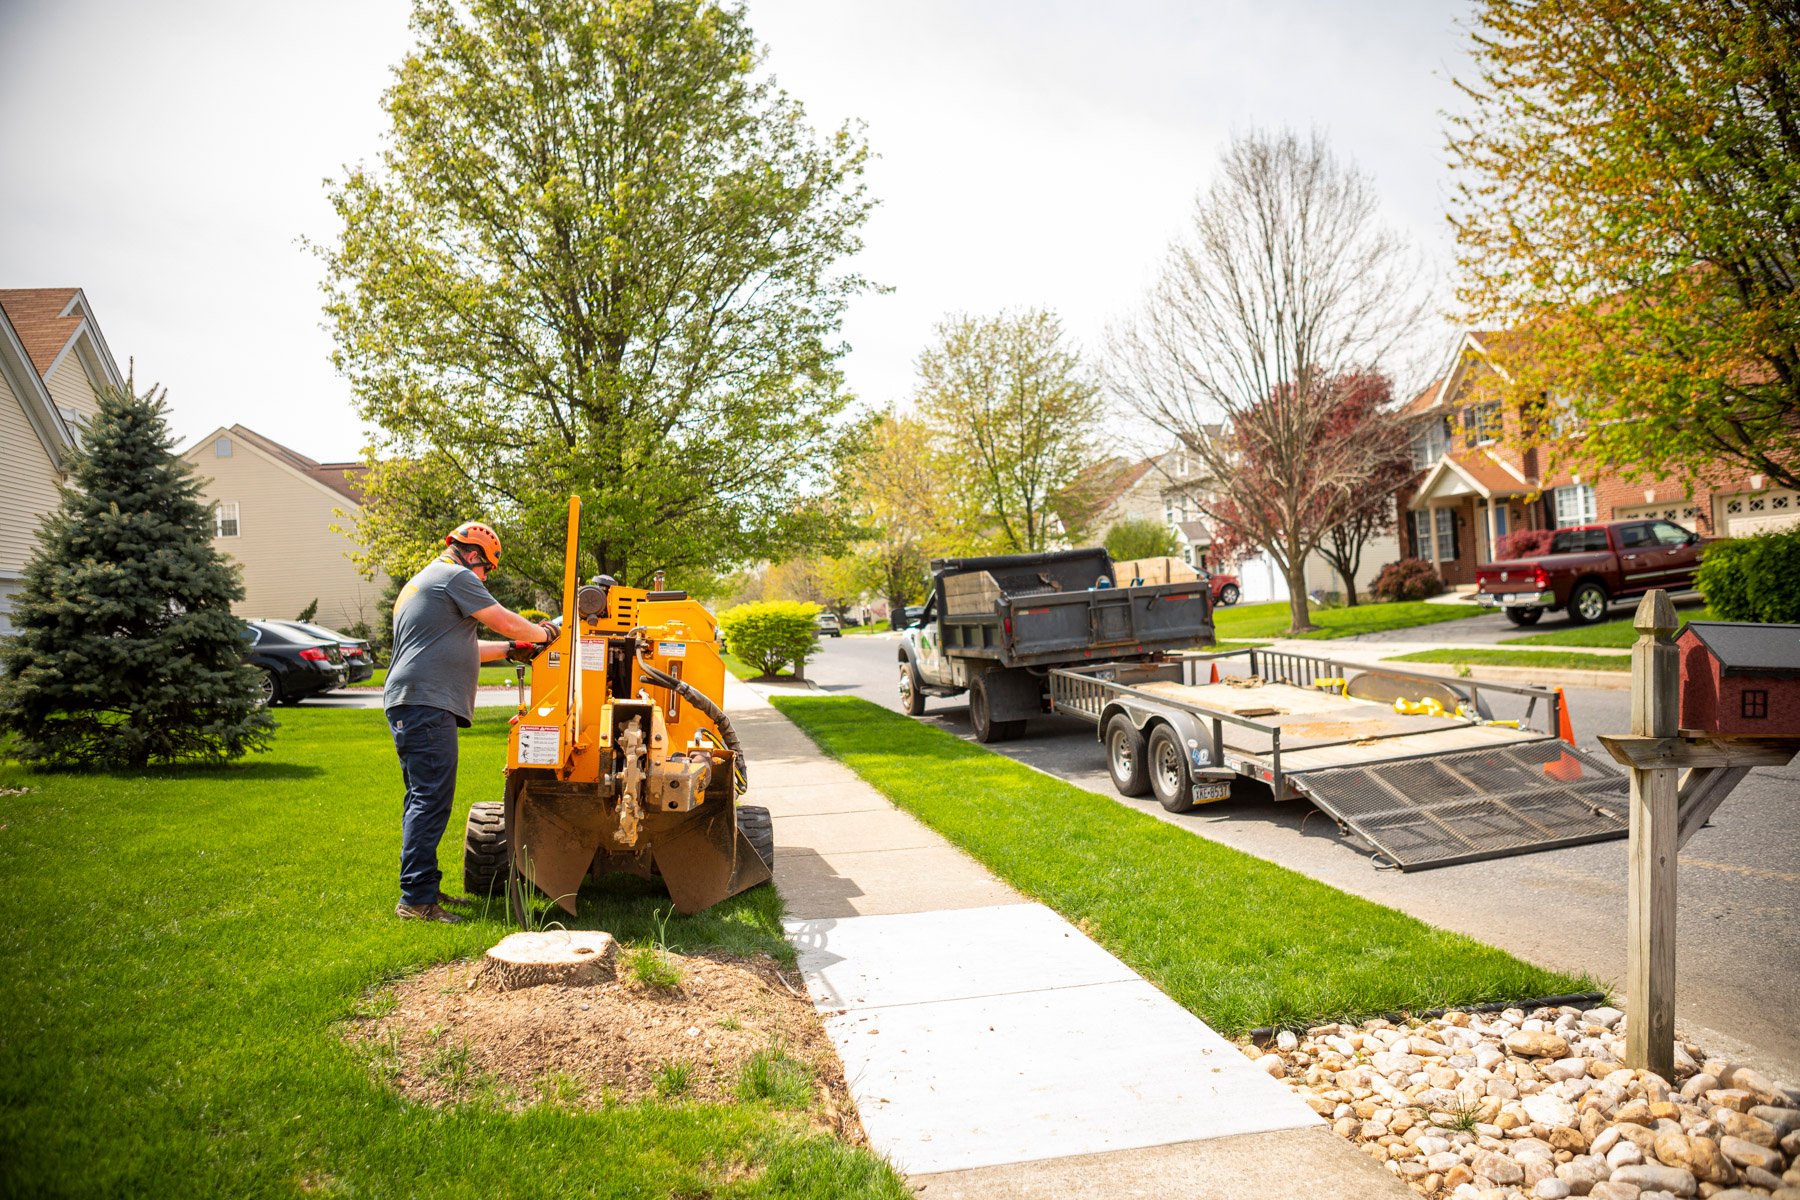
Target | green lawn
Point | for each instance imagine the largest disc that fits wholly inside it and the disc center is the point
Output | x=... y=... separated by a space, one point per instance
x=1618 y=633
x=1554 y=660
x=1239 y=941
x=1263 y=621
x=490 y=677
x=179 y=945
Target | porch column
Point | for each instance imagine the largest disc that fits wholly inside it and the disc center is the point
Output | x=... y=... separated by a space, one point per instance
x=1437 y=551
x=1493 y=547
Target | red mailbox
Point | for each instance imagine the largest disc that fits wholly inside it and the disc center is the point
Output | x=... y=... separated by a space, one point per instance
x=1740 y=678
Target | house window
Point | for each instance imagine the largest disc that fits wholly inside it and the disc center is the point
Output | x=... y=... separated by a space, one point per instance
x=222 y=448
x=225 y=518
x=1575 y=505
x=1431 y=445
x=1560 y=407
x=1756 y=704
x=1434 y=533
x=1481 y=422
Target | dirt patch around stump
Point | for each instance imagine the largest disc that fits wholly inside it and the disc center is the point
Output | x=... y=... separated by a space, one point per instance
x=443 y=1037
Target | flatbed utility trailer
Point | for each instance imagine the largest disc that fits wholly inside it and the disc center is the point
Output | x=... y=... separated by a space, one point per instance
x=1421 y=789
x=995 y=625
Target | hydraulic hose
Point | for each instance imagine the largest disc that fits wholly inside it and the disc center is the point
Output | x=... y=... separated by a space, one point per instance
x=699 y=700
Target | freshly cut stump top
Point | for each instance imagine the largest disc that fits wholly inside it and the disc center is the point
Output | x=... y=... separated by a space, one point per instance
x=570 y=957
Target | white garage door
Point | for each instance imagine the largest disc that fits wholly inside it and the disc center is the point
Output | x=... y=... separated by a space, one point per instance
x=1758 y=512
x=1681 y=512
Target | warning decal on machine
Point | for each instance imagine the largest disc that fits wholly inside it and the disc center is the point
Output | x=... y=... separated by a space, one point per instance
x=673 y=649
x=593 y=656
x=540 y=745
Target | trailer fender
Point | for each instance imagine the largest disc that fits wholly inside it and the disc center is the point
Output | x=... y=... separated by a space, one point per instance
x=1194 y=733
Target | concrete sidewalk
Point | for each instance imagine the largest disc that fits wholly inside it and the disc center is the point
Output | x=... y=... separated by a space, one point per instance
x=993 y=1049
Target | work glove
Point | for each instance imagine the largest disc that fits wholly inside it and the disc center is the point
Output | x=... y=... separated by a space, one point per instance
x=551 y=630
x=522 y=652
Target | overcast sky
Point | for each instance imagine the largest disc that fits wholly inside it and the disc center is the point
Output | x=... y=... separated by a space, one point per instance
x=167 y=158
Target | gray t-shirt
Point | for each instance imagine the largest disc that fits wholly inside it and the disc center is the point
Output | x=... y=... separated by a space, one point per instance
x=436 y=659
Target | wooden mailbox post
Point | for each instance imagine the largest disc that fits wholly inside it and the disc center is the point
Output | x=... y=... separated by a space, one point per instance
x=1679 y=777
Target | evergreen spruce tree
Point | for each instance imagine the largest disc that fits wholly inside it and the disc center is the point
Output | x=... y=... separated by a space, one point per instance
x=126 y=651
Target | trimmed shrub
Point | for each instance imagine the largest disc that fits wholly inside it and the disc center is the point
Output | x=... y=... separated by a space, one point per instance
x=1408 y=579
x=1525 y=543
x=534 y=614
x=770 y=634
x=1753 y=578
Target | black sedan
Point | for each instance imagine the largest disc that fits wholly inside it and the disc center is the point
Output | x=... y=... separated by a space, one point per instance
x=293 y=666
x=359 y=659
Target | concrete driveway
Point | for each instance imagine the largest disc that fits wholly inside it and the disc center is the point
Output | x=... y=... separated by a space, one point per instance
x=1739 y=916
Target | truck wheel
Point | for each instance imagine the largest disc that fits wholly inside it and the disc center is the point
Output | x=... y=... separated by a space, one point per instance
x=759 y=829
x=484 y=848
x=1166 y=763
x=985 y=730
x=1228 y=595
x=1125 y=757
x=1524 y=616
x=1587 y=603
x=912 y=696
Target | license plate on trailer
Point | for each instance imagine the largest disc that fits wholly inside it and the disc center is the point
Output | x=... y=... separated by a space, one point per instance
x=1204 y=792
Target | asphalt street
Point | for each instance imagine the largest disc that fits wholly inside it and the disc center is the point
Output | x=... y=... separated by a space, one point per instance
x=1738 y=986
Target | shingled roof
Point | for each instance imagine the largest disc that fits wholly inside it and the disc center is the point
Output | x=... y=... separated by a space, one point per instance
x=41 y=319
x=341 y=477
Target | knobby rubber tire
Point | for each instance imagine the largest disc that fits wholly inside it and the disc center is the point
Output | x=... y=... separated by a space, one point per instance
x=1165 y=761
x=758 y=829
x=484 y=848
x=1136 y=780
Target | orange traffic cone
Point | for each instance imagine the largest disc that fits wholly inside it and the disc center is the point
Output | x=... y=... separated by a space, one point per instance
x=1566 y=767
x=1564 y=729
x=1215 y=677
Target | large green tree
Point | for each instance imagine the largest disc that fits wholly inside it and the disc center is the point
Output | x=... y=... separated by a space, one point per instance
x=1012 y=402
x=599 y=254
x=126 y=652
x=1628 y=205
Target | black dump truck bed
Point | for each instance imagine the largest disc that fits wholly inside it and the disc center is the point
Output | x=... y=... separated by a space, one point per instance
x=1060 y=607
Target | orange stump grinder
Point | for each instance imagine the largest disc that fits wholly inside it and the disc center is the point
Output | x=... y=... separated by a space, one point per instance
x=622 y=758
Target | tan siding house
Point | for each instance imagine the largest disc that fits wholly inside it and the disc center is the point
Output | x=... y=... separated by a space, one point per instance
x=273 y=514
x=53 y=363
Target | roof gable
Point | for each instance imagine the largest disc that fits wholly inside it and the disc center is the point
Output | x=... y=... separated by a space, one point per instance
x=23 y=381
x=341 y=479
x=45 y=321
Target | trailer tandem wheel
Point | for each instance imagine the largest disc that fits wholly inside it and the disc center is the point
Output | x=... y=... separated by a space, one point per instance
x=1167 y=765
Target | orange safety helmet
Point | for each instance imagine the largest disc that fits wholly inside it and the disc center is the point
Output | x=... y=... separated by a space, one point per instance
x=481 y=537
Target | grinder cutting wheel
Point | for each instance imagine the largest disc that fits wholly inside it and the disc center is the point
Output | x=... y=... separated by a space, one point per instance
x=621 y=758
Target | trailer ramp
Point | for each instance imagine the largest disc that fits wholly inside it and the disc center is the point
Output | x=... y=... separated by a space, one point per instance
x=1439 y=809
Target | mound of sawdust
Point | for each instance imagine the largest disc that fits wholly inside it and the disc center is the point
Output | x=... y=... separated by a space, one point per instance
x=445 y=1038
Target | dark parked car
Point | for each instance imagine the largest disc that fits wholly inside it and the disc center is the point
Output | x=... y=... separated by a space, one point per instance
x=293 y=665
x=359 y=659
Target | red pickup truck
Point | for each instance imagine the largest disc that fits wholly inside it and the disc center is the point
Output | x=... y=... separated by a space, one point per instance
x=1590 y=566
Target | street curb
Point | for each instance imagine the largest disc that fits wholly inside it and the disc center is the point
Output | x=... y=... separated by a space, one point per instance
x=1541 y=676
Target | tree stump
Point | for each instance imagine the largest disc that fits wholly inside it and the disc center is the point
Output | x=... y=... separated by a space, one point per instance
x=572 y=958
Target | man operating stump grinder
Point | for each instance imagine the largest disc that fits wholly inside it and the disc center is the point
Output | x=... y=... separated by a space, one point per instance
x=621 y=760
x=430 y=694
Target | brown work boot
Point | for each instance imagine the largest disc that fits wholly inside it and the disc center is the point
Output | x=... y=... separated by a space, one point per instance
x=425 y=912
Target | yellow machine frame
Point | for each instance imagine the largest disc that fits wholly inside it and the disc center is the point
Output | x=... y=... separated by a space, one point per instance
x=609 y=767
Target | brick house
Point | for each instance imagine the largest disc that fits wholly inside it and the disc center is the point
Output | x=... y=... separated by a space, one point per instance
x=1475 y=484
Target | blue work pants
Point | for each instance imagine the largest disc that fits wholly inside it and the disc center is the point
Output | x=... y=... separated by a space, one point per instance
x=426 y=740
